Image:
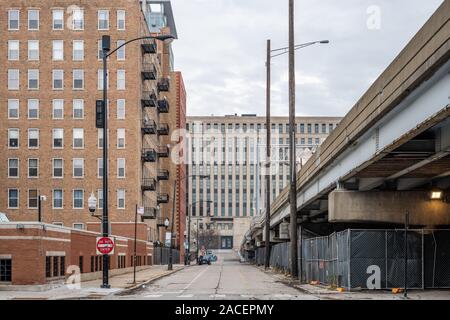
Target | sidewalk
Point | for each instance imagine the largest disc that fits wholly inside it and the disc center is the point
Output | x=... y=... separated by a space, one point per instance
x=91 y=289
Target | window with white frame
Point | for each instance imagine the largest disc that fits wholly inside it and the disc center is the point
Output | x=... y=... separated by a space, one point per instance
x=33 y=168
x=58 y=19
x=78 y=199
x=100 y=50
x=13 y=138
x=33 y=50
x=103 y=19
x=100 y=79
x=121 y=51
x=58 y=79
x=78 y=108
x=13 y=168
x=121 y=19
x=58 y=50
x=58 y=138
x=78 y=19
x=13 y=50
x=32 y=199
x=100 y=138
x=120 y=198
x=120 y=168
x=13 y=198
x=58 y=168
x=78 y=226
x=33 y=138
x=78 y=50
x=33 y=19
x=120 y=138
x=78 y=167
x=13 y=108
x=120 y=79
x=33 y=109
x=100 y=198
x=78 y=79
x=78 y=138
x=13 y=19
x=13 y=79
x=33 y=79
x=121 y=109
x=57 y=198
x=100 y=168
x=58 y=109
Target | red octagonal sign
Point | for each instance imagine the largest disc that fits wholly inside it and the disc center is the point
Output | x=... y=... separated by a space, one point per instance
x=105 y=245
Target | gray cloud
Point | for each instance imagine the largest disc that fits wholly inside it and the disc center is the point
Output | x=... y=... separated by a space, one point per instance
x=222 y=46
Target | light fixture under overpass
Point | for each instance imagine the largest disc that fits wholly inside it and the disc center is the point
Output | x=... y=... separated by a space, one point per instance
x=436 y=194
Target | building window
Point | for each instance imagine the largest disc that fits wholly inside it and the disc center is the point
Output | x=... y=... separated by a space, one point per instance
x=58 y=109
x=33 y=168
x=324 y=128
x=58 y=19
x=78 y=138
x=13 y=168
x=78 y=168
x=120 y=19
x=78 y=50
x=100 y=168
x=13 y=79
x=32 y=199
x=33 y=138
x=309 y=128
x=62 y=266
x=48 y=265
x=55 y=266
x=121 y=199
x=100 y=138
x=13 y=198
x=13 y=20
x=33 y=20
x=121 y=51
x=78 y=199
x=5 y=270
x=100 y=198
x=120 y=79
x=121 y=109
x=13 y=109
x=58 y=79
x=33 y=50
x=103 y=19
x=121 y=168
x=100 y=80
x=33 y=79
x=58 y=50
x=58 y=138
x=78 y=109
x=78 y=226
x=33 y=109
x=58 y=168
x=13 y=138
x=78 y=19
x=78 y=79
x=99 y=50
x=13 y=50
x=57 y=199
x=120 y=138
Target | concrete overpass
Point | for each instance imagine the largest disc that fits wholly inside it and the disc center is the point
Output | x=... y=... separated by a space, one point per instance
x=389 y=151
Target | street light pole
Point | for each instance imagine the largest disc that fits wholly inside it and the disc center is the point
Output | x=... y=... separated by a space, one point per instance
x=268 y=152
x=292 y=155
x=188 y=249
x=170 y=265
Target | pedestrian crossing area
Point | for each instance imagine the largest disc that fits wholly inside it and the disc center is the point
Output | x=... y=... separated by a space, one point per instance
x=209 y=296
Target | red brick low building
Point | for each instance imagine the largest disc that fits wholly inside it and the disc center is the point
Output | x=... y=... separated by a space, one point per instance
x=33 y=253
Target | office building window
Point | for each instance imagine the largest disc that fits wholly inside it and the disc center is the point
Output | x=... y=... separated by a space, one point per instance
x=100 y=168
x=78 y=50
x=58 y=138
x=58 y=109
x=13 y=109
x=120 y=138
x=58 y=79
x=78 y=79
x=121 y=51
x=120 y=79
x=78 y=109
x=121 y=19
x=33 y=109
x=33 y=20
x=58 y=19
x=13 y=50
x=13 y=138
x=57 y=199
x=33 y=168
x=13 y=20
x=33 y=79
x=324 y=128
x=78 y=138
x=78 y=198
x=33 y=138
x=58 y=50
x=121 y=109
x=58 y=168
x=13 y=79
x=32 y=199
x=121 y=168
x=121 y=199
x=103 y=20
x=316 y=128
x=13 y=168
x=78 y=19
x=13 y=198
x=317 y=141
x=78 y=168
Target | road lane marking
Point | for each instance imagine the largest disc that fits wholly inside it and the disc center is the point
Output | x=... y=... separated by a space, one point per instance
x=217 y=296
x=153 y=296
x=186 y=296
x=193 y=280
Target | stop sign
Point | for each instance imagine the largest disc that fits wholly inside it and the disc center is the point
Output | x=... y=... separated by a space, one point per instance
x=105 y=245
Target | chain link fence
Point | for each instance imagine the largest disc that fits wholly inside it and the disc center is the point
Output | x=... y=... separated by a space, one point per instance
x=161 y=256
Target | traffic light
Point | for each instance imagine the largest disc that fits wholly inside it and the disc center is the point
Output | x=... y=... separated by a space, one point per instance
x=99 y=111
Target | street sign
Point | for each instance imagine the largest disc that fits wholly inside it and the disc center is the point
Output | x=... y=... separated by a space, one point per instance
x=105 y=245
x=140 y=211
x=168 y=239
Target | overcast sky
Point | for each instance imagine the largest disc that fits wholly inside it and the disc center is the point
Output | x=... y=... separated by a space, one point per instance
x=222 y=50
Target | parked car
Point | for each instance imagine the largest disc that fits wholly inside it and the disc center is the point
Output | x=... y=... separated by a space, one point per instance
x=204 y=259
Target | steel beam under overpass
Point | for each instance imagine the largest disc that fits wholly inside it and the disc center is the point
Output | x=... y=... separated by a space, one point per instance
x=387 y=207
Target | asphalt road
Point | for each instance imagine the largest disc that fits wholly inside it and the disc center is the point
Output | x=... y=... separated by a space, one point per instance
x=226 y=279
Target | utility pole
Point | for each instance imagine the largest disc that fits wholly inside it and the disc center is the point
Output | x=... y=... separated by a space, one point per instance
x=268 y=152
x=292 y=155
x=135 y=244
x=405 y=294
x=170 y=265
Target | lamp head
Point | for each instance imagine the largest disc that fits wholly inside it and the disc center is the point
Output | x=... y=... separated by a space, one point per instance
x=166 y=38
x=92 y=203
x=436 y=194
x=166 y=222
x=324 y=41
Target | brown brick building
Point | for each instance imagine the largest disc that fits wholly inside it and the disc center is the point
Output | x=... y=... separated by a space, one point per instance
x=51 y=78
